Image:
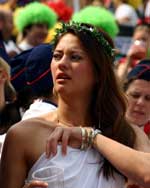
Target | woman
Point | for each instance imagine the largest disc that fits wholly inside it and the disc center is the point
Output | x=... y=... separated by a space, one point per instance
x=33 y=25
x=137 y=88
x=138 y=50
x=7 y=96
x=88 y=96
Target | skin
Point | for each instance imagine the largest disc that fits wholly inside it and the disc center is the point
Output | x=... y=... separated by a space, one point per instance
x=136 y=51
x=37 y=34
x=134 y=158
x=138 y=111
x=30 y=136
x=7 y=25
x=3 y=79
x=69 y=65
x=138 y=95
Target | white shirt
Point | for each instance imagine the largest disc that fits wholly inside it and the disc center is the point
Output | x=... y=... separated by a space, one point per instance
x=37 y=108
x=23 y=45
x=11 y=46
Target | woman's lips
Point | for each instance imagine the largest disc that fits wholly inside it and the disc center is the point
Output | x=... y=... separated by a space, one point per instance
x=138 y=113
x=62 y=76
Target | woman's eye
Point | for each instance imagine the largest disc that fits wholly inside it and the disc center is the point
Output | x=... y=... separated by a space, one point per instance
x=76 y=57
x=147 y=97
x=134 y=95
x=57 y=56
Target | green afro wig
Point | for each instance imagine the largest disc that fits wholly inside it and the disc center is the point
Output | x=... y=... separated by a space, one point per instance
x=34 y=13
x=99 y=17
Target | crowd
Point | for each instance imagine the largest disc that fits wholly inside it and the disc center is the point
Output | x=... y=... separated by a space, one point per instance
x=75 y=78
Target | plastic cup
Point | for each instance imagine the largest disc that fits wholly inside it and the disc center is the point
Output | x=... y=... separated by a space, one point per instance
x=52 y=175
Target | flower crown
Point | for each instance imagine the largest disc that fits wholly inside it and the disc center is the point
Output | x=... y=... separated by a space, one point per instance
x=93 y=31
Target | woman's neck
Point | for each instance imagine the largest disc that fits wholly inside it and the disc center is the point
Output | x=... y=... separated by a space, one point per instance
x=72 y=114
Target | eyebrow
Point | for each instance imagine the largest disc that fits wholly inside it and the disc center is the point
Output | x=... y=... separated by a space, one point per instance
x=74 y=50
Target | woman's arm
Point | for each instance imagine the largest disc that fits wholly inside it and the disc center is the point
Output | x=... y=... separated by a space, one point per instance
x=13 y=165
x=122 y=69
x=133 y=164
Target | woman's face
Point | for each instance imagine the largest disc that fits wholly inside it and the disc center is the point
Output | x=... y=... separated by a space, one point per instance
x=72 y=68
x=141 y=35
x=138 y=95
x=37 y=34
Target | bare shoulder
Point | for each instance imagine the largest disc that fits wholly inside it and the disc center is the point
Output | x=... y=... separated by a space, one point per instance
x=24 y=144
x=29 y=137
x=29 y=127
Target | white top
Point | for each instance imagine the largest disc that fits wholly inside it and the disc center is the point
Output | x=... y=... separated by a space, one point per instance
x=38 y=108
x=11 y=46
x=2 y=139
x=125 y=10
x=147 y=9
x=23 y=45
x=82 y=169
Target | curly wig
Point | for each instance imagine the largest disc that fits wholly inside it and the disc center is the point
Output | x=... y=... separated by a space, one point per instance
x=34 y=13
x=99 y=17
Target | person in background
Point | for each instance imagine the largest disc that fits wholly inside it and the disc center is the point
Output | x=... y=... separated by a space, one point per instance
x=88 y=96
x=99 y=17
x=137 y=89
x=138 y=50
x=125 y=14
x=38 y=77
x=3 y=52
x=31 y=77
x=7 y=95
x=8 y=4
x=6 y=19
x=18 y=80
x=7 y=92
x=34 y=25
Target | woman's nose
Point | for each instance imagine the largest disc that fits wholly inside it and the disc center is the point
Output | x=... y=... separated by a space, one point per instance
x=141 y=100
x=63 y=63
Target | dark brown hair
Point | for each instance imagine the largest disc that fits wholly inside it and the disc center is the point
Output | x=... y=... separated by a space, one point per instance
x=108 y=104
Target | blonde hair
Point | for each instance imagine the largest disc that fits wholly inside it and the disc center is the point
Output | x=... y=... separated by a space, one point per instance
x=10 y=93
x=5 y=66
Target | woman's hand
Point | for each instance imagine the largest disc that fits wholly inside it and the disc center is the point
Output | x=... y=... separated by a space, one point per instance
x=35 y=183
x=142 y=142
x=71 y=136
x=137 y=50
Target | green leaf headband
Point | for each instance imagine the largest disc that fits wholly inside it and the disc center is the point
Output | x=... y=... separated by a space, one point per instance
x=79 y=27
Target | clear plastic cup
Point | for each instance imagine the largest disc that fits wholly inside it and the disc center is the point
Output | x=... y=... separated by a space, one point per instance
x=52 y=175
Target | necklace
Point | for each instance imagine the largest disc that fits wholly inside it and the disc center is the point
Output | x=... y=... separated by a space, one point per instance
x=67 y=124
